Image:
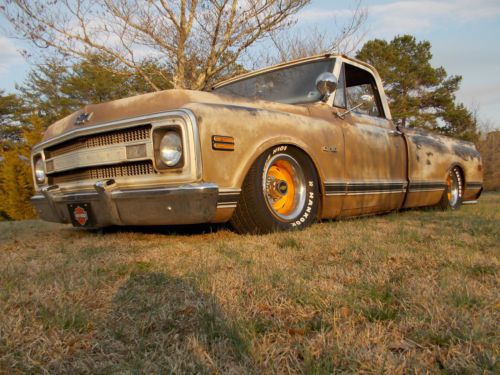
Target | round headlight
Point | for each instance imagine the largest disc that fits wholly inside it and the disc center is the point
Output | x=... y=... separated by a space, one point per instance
x=39 y=171
x=171 y=148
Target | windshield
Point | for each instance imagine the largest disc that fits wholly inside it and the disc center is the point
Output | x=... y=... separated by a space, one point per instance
x=292 y=85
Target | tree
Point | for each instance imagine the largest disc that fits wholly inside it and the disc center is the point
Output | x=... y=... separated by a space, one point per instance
x=198 y=40
x=16 y=185
x=420 y=95
x=53 y=90
x=16 y=181
x=10 y=109
x=42 y=92
x=298 y=43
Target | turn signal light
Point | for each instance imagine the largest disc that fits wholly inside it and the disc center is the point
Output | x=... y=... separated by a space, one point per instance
x=223 y=143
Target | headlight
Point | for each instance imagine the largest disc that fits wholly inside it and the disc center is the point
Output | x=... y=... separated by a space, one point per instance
x=171 y=148
x=39 y=171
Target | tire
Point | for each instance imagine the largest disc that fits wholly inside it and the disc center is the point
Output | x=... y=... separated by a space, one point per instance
x=280 y=192
x=453 y=193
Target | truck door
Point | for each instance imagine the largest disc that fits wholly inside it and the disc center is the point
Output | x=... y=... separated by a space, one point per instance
x=375 y=152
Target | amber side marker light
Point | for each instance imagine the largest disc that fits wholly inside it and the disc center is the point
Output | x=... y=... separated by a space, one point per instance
x=223 y=143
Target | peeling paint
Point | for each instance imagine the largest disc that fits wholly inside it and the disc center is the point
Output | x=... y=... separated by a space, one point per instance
x=465 y=152
x=429 y=141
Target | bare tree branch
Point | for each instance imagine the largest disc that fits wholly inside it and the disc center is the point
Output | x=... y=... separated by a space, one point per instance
x=295 y=44
x=197 y=39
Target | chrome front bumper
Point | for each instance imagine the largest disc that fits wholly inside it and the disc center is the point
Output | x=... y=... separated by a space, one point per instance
x=109 y=205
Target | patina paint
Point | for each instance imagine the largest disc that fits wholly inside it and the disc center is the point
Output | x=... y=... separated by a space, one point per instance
x=364 y=164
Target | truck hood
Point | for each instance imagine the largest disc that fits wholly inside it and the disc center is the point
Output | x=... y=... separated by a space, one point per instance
x=159 y=102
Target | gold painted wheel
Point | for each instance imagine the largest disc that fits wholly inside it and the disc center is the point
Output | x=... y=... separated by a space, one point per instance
x=284 y=186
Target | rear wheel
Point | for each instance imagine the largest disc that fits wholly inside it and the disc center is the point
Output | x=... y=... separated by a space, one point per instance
x=452 y=196
x=280 y=192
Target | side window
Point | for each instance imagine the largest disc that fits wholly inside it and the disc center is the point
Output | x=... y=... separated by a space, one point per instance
x=360 y=82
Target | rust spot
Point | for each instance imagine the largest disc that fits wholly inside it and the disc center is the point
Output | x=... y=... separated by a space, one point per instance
x=428 y=162
x=430 y=153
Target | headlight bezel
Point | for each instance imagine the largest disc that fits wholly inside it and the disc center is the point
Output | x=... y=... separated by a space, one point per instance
x=41 y=178
x=158 y=136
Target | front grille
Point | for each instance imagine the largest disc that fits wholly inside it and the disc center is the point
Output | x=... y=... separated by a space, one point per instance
x=138 y=133
x=110 y=171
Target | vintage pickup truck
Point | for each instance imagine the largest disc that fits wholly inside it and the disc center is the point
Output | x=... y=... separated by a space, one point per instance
x=270 y=150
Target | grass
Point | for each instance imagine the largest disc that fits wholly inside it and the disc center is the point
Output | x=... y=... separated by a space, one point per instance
x=408 y=292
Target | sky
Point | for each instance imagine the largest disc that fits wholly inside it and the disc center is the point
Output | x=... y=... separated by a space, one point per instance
x=465 y=38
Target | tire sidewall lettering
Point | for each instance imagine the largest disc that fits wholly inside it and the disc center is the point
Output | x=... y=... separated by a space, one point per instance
x=304 y=215
x=278 y=149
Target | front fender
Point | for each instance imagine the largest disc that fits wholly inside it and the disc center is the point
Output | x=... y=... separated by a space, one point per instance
x=256 y=130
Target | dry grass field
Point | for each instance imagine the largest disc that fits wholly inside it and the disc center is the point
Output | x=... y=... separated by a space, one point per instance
x=408 y=292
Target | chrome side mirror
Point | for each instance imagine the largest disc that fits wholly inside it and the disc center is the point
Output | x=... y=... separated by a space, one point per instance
x=326 y=83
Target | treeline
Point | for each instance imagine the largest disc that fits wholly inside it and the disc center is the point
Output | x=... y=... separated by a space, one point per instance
x=420 y=95
x=51 y=91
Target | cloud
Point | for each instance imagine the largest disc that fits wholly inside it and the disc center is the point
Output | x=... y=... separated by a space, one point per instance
x=320 y=14
x=423 y=16
x=410 y=16
x=9 y=55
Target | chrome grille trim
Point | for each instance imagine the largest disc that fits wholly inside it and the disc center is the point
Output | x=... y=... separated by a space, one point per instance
x=183 y=118
x=139 y=133
x=95 y=173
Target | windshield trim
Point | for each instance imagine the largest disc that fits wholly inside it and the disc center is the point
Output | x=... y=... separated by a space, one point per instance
x=273 y=68
x=286 y=92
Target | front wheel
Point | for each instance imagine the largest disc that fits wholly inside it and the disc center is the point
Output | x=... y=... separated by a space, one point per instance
x=452 y=196
x=279 y=193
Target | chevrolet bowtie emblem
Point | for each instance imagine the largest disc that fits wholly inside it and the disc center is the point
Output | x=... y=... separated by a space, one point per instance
x=83 y=118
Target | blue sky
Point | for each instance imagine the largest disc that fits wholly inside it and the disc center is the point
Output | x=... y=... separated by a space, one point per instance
x=464 y=35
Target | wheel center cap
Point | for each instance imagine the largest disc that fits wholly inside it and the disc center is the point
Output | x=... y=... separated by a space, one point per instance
x=282 y=187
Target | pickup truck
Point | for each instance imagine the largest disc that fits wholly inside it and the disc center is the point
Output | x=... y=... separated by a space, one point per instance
x=270 y=150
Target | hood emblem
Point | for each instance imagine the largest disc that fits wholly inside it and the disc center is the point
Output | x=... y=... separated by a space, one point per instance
x=83 y=118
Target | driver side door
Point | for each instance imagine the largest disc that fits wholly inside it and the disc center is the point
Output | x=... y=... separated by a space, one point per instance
x=375 y=152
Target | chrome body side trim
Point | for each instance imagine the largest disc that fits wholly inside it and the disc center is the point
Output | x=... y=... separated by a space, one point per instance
x=365 y=187
x=228 y=198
